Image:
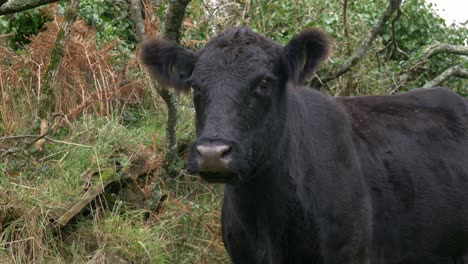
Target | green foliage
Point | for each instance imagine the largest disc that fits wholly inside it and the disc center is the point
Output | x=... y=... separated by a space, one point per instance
x=280 y=20
x=21 y=26
x=111 y=20
x=419 y=26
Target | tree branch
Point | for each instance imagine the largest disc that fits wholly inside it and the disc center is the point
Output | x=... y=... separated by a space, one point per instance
x=2 y=2
x=173 y=19
x=366 y=42
x=426 y=54
x=444 y=48
x=139 y=24
x=14 y=6
x=456 y=71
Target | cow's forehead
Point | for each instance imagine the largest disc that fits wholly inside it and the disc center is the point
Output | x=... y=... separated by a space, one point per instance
x=238 y=37
x=236 y=52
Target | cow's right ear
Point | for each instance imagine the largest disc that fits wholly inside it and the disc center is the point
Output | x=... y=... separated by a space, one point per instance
x=304 y=53
x=169 y=63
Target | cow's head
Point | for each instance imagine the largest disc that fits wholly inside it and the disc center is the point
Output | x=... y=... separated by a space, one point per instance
x=239 y=81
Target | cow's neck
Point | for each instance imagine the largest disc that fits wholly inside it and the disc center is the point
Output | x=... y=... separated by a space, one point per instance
x=261 y=203
x=267 y=186
x=267 y=195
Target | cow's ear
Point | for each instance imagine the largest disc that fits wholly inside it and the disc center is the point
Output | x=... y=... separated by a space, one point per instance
x=304 y=53
x=169 y=63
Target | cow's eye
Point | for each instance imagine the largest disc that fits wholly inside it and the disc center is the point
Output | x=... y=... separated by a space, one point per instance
x=263 y=87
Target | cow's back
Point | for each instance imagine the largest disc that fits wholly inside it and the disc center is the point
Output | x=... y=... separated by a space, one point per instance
x=413 y=150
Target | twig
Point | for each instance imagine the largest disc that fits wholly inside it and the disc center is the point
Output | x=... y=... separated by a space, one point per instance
x=18 y=137
x=6 y=35
x=67 y=143
x=15 y=241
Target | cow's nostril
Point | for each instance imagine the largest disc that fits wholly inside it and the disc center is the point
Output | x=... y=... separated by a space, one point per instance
x=226 y=152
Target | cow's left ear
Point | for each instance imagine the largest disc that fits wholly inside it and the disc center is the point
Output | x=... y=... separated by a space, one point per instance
x=303 y=54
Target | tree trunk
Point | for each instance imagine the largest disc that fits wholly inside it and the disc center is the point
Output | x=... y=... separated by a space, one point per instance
x=173 y=19
x=47 y=96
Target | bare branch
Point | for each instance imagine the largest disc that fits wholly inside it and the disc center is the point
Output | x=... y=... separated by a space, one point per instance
x=14 y=6
x=349 y=82
x=345 y=20
x=366 y=42
x=456 y=71
x=17 y=137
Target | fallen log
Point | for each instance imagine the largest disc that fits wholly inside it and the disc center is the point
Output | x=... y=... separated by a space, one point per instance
x=99 y=183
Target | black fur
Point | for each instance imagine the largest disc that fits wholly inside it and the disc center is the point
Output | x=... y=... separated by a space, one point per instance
x=319 y=179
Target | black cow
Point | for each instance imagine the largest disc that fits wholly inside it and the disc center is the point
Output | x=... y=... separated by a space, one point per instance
x=311 y=178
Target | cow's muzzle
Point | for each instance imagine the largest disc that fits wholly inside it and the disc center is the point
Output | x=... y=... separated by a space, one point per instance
x=214 y=158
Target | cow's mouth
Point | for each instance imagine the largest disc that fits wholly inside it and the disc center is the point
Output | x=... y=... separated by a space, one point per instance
x=211 y=177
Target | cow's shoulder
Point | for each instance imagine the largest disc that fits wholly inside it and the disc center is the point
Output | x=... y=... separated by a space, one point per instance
x=436 y=102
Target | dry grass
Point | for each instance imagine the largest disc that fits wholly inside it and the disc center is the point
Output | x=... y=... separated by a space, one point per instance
x=93 y=79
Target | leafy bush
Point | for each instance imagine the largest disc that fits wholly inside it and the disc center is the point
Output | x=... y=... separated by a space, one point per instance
x=19 y=27
x=111 y=19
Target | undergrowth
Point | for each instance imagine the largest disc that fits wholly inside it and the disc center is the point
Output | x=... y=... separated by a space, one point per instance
x=184 y=230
